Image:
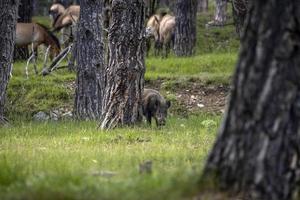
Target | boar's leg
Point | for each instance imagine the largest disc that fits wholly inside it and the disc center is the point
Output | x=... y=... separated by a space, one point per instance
x=148 y=117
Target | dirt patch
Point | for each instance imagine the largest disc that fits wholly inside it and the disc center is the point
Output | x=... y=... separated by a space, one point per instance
x=201 y=98
x=193 y=96
x=188 y=96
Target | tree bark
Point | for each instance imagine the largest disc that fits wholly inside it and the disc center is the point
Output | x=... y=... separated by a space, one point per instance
x=90 y=61
x=8 y=19
x=257 y=150
x=25 y=15
x=126 y=68
x=203 y=6
x=239 y=12
x=151 y=7
x=185 y=30
x=220 y=13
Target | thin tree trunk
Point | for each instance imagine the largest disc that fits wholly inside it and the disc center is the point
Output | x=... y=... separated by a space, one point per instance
x=8 y=19
x=239 y=11
x=220 y=13
x=25 y=15
x=257 y=151
x=185 y=30
x=151 y=7
x=90 y=61
x=125 y=72
x=202 y=6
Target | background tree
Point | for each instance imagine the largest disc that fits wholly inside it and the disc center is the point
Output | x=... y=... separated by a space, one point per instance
x=126 y=68
x=25 y=13
x=167 y=4
x=151 y=7
x=89 y=57
x=239 y=11
x=202 y=5
x=257 y=150
x=220 y=13
x=185 y=30
x=8 y=19
x=66 y=3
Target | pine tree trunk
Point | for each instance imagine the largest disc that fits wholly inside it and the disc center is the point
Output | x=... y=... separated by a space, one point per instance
x=25 y=15
x=202 y=6
x=90 y=61
x=185 y=30
x=125 y=72
x=257 y=150
x=8 y=19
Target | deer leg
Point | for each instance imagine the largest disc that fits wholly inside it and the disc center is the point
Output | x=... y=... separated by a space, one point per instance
x=157 y=47
x=163 y=50
x=148 y=46
x=168 y=46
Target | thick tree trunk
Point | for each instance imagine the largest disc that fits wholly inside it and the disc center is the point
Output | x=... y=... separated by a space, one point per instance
x=257 y=150
x=239 y=11
x=25 y=15
x=125 y=72
x=8 y=19
x=185 y=30
x=90 y=61
x=202 y=6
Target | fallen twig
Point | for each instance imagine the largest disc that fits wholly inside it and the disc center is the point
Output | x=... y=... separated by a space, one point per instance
x=57 y=60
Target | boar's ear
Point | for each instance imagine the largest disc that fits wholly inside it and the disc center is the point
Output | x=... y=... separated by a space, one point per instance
x=168 y=103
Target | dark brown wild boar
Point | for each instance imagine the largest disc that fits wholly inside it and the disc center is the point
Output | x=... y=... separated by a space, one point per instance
x=155 y=105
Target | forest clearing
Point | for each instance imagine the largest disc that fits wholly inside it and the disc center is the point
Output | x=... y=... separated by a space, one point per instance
x=82 y=130
x=83 y=155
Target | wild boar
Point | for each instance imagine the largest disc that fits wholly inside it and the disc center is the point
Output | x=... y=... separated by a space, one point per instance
x=155 y=106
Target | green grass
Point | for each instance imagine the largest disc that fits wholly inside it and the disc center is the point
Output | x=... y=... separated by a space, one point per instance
x=37 y=93
x=203 y=67
x=59 y=160
x=213 y=63
x=28 y=96
x=45 y=20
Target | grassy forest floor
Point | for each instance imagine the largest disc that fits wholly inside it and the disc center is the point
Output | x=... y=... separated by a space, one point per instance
x=73 y=160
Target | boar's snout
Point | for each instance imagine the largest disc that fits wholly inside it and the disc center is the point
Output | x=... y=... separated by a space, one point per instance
x=161 y=119
x=161 y=122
